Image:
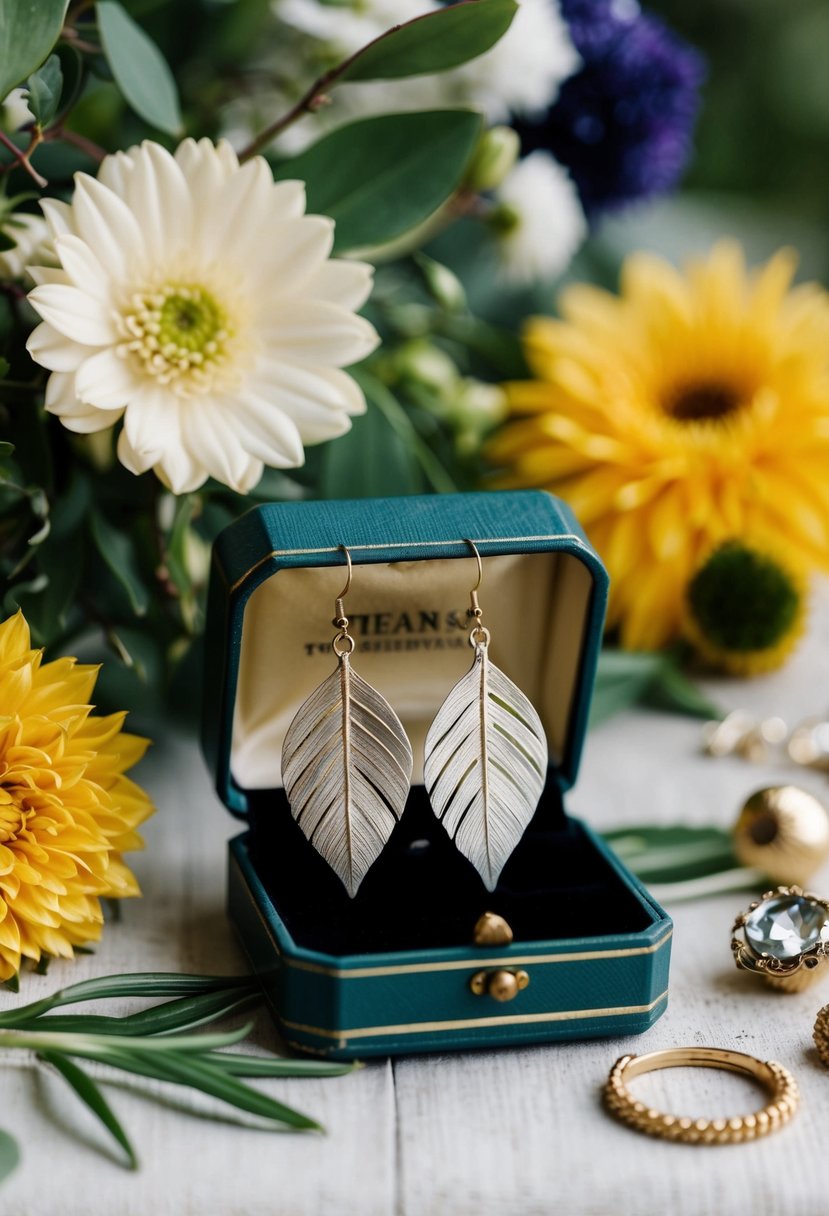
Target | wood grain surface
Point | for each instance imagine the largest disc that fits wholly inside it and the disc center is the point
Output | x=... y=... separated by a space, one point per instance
x=516 y=1132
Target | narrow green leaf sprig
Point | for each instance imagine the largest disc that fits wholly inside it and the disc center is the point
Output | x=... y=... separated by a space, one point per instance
x=156 y=1043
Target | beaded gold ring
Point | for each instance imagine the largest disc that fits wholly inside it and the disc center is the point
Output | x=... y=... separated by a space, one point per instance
x=642 y=1118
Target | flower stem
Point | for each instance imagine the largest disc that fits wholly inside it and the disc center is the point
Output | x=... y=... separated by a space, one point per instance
x=21 y=159
x=93 y=151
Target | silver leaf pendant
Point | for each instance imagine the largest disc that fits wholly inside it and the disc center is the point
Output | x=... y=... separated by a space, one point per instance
x=346 y=768
x=486 y=765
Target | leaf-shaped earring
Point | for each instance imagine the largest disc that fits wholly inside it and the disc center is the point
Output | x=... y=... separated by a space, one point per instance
x=485 y=757
x=346 y=764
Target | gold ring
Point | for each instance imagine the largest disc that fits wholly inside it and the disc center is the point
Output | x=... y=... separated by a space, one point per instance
x=777 y=1079
x=785 y=936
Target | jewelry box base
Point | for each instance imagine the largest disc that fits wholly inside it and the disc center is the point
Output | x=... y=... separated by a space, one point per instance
x=352 y=1006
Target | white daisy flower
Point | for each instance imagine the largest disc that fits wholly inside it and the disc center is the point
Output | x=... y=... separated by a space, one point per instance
x=196 y=300
x=538 y=220
x=32 y=244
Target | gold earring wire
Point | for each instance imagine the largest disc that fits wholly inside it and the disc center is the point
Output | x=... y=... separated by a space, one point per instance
x=485 y=756
x=346 y=763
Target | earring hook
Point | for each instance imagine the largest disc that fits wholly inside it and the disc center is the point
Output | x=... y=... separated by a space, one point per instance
x=347 y=587
x=474 y=609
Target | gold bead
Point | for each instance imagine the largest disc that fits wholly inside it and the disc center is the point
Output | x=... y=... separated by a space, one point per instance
x=491 y=930
x=783 y=831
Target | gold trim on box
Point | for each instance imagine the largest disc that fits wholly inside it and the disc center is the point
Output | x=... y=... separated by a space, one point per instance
x=474 y=961
x=521 y=1019
x=420 y=544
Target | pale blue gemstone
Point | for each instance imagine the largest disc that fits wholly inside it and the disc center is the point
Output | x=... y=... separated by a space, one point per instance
x=786 y=925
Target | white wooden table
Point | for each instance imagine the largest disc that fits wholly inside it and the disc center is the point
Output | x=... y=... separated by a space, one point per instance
x=492 y=1133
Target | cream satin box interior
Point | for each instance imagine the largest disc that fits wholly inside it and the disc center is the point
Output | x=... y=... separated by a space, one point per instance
x=401 y=967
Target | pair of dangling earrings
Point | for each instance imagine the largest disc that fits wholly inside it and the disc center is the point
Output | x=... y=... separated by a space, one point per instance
x=347 y=761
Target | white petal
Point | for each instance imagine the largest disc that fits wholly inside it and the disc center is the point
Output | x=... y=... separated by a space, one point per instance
x=318 y=400
x=51 y=349
x=232 y=222
x=267 y=432
x=74 y=313
x=83 y=267
x=106 y=381
x=152 y=421
x=205 y=165
x=58 y=216
x=317 y=333
x=211 y=437
x=108 y=225
x=48 y=274
x=288 y=199
x=299 y=252
x=62 y=400
x=136 y=462
x=159 y=199
x=114 y=172
x=341 y=282
x=178 y=469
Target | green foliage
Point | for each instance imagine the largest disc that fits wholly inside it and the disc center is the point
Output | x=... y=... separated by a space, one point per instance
x=117 y=549
x=628 y=677
x=381 y=177
x=434 y=42
x=43 y=90
x=155 y=1043
x=28 y=31
x=140 y=70
x=673 y=854
x=9 y=1154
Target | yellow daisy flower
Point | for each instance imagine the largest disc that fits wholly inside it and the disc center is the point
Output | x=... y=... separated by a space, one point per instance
x=67 y=812
x=684 y=411
x=745 y=608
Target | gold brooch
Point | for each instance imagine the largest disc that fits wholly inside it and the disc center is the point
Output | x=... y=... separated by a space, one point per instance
x=785 y=935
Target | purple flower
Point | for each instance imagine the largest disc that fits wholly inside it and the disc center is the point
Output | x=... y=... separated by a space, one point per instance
x=622 y=125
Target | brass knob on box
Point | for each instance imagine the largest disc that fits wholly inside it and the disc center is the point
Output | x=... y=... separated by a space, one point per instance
x=500 y=985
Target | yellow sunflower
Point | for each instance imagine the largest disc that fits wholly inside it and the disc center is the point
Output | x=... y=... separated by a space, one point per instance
x=684 y=411
x=67 y=812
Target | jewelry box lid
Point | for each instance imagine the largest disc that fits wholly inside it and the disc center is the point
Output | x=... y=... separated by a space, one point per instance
x=277 y=570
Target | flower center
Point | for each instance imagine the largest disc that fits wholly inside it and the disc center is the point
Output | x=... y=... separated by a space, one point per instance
x=701 y=402
x=743 y=600
x=179 y=333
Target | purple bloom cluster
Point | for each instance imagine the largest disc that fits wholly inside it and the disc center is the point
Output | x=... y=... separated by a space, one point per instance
x=622 y=125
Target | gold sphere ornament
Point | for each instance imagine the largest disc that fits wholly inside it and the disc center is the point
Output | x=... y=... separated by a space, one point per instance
x=784 y=831
x=821 y=1034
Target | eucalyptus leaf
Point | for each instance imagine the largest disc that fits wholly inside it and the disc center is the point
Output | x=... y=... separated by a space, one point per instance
x=437 y=477
x=622 y=678
x=140 y=70
x=117 y=548
x=91 y=1096
x=671 y=689
x=369 y=461
x=434 y=42
x=676 y=853
x=43 y=90
x=382 y=176
x=28 y=31
x=9 y=1154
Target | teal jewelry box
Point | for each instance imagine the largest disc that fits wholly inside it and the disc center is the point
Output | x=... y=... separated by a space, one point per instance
x=574 y=946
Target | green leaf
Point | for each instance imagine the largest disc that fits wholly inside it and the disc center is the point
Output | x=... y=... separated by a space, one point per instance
x=140 y=70
x=621 y=680
x=276 y=1066
x=381 y=177
x=135 y=984
x=672 y=690
x=434 y=42
x=9 y=1154
x=91 y=1096
x=369 y=461
x=184 y=1014
x=673 y=854
x=118 y=551
x=192 y=1071
x=28 y=31
x=376 y=392
x=43 y=90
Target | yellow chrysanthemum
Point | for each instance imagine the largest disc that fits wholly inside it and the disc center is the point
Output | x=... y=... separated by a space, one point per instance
x=687 y=410
x=67 y=812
